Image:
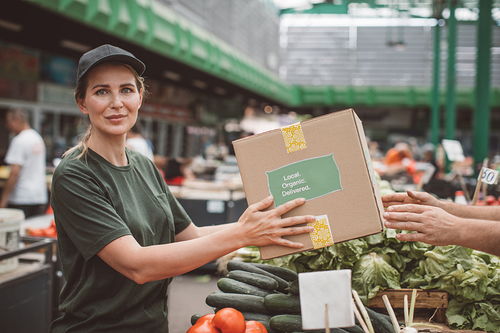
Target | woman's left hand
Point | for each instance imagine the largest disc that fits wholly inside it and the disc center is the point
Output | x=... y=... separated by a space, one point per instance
x=261 y=227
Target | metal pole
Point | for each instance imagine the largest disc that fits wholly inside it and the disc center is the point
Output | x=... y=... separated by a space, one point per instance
x=481 y=126
x=451 y=112
x=435 y=110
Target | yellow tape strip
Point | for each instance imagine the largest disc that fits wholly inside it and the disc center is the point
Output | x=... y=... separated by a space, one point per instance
x=321 y=236
x=293 y=137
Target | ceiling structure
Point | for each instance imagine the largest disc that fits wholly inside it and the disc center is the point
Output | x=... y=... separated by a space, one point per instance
x=467 y=10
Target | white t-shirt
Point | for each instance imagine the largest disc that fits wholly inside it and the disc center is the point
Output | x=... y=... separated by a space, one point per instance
x=140 y=145
x=28 y=150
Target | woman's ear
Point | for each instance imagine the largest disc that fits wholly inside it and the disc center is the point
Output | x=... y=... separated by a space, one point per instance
x=81 y=105
x=141 y=96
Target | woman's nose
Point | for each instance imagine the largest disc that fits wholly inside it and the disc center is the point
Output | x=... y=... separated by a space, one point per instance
x=116 y=102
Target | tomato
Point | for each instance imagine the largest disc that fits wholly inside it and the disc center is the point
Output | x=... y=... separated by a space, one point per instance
x=50 y=232
x=255 y=327
x=204 y=325
x=35 y=232
x=229 y=320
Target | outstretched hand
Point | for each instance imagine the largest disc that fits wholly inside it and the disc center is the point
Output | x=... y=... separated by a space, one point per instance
x=410 y=197
x=267 y=227
x=430 y=224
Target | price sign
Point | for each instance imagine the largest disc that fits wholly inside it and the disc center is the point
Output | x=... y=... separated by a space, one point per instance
x=489 y=176
x=331 y=288
x=453 y=149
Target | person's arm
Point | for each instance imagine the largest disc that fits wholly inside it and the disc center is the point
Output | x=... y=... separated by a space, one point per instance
x=15 y=170
x=435 y=226
x=255 y=227
x=491 y=213
x=192 y=231
x=423 y=198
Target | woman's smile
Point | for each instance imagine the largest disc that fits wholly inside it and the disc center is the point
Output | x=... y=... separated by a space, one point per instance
x=116 y=118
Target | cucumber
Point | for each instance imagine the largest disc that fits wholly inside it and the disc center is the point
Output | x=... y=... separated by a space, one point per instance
x=228 y=285
x=282 y=304
x=333 y=330
x=284 y=273
x=294 y=287
x=261 y=318
x=234 y=265
x=258 y=280
x=353 y=329
x=244 y=303
x=286 y=323
x=195 y=317
x=256 y=316
x=381 y=323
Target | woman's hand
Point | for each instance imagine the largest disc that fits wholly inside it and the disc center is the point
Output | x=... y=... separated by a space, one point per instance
x=432 y=225
x=410 y=197
x=261 y=228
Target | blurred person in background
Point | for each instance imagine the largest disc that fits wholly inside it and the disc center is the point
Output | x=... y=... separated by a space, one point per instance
x=26 y=187
x=398 y=155
x=374 y=150
x=122 y=235
x=137 y=142
x=177 y=170
x=397 y=164
x=441 y=222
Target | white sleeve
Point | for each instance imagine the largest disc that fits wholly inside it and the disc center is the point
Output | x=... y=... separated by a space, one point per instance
x=15 y=154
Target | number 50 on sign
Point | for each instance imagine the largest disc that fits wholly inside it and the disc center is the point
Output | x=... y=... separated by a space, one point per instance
x=489 y=176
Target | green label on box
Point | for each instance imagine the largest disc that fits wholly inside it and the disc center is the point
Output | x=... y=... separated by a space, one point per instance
x=309 y=179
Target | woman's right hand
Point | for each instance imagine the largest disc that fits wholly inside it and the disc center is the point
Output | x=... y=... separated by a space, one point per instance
x=410 y=197
x=261 y=228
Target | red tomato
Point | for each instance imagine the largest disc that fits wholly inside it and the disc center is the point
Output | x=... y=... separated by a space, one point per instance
x=204 y=325
x=50 y=232
x=35 y=232
x=255 y=327
x=229 y=320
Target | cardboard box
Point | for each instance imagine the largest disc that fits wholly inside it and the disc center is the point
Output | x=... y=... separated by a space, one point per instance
x=329 y=166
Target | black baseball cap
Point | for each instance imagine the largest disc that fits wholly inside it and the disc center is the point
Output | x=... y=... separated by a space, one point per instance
x=107 y=53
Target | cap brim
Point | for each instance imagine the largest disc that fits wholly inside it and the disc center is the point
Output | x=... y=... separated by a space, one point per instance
x=135 y=63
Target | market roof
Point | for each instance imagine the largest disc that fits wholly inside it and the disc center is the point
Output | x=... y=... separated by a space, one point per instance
x=466 y=9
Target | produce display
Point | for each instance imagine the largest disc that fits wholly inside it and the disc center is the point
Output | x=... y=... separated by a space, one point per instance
x=471 y=278
x=227 y=320
x=269 y=295
x=49 y=231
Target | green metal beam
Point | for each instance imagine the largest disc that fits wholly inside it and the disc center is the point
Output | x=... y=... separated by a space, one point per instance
x=155 y=27
x=322 y=96
x=481 y=127
x=451 y=112
x=320 y=8
x=435 y=107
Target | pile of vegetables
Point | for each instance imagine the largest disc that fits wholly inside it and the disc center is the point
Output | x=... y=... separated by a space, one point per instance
x=269 y=295
x=49 y=231
x=380 y=261
x=227 y=320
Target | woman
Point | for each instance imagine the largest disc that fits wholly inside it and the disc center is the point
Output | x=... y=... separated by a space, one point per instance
x=122 y=235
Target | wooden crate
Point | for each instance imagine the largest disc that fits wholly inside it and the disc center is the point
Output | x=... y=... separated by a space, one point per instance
x=429 y=303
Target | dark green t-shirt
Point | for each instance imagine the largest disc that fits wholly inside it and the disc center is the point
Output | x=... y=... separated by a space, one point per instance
x=96 y=202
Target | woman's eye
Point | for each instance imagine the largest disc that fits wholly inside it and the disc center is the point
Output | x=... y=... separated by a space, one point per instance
x=127 y=90
x=101 y=92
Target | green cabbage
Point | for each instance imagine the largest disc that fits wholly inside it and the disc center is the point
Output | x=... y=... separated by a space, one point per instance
x=371 y=274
